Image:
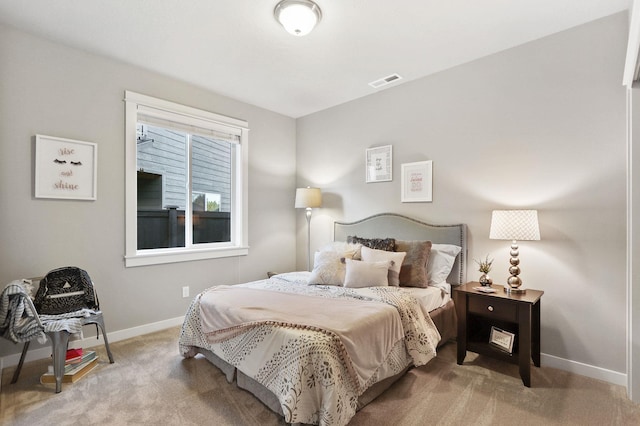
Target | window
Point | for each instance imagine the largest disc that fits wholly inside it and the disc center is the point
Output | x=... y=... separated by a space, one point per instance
x=185 y=183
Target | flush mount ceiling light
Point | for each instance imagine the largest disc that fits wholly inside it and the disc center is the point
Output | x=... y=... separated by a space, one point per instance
x=298 y=17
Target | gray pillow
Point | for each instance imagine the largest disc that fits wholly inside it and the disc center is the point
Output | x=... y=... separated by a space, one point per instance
x=386 y=244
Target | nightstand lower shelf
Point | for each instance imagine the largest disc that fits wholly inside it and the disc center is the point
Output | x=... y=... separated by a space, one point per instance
x=478 y=336
x=491 y=351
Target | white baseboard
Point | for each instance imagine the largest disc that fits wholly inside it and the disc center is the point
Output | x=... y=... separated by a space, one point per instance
x=546 y=360
x=116 y=336
x=587 y=370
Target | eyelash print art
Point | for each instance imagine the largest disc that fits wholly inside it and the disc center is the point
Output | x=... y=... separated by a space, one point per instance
x=76 y=163
x=59 y=161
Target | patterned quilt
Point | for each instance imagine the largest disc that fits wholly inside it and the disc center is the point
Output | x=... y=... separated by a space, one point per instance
x=305 y=367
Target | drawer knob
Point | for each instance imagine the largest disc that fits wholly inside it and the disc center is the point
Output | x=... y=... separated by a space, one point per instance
x=490 y=308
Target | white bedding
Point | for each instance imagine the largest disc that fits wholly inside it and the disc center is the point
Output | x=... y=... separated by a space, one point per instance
x=302 y=368
x=433 y=297
x=430 y=298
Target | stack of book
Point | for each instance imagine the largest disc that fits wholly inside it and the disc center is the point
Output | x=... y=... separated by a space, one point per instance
x=77 y=364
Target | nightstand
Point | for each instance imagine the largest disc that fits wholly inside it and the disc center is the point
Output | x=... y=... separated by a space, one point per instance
x=518 y=314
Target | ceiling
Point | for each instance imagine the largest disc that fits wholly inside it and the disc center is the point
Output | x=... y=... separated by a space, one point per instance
x=236 y=48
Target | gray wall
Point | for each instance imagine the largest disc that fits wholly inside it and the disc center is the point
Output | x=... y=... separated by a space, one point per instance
x=49 y=89
x=538 y=126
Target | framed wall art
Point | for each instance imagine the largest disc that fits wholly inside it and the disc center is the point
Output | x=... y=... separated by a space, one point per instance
x=502 y=339
x=417 y=182
x=379 y=164
x=65 y=168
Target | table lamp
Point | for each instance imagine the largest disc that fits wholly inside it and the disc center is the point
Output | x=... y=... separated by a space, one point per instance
x=514 y=225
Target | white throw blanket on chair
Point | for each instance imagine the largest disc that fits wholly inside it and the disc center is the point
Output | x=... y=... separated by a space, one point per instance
x=19 y=321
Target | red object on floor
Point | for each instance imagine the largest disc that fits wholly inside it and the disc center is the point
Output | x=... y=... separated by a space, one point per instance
x=73 y=355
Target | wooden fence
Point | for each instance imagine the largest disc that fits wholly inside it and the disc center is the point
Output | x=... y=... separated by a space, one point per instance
x=165 y=228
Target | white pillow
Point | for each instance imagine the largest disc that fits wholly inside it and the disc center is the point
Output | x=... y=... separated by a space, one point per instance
x=344 y=249
x=328 y=269
x=366 y=274
x=394 y=257
x=441 y=262
x=328 y=264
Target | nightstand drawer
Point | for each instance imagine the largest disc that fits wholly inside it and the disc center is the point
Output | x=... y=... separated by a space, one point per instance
x=493 y=308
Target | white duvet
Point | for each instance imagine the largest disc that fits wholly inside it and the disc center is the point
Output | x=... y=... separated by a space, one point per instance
x=306 y=369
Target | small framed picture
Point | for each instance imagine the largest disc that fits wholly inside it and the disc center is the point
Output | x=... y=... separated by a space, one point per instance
x=417 y=182
x=379 y=164
x=65 y=168
x=502 y=339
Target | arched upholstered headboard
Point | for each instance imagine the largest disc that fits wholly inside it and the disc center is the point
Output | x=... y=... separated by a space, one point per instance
x=393 y=225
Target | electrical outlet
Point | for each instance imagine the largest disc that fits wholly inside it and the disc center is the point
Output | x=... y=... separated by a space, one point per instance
x=185 y=291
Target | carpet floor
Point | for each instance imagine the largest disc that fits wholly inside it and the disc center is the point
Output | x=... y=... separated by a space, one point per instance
x=151 y=384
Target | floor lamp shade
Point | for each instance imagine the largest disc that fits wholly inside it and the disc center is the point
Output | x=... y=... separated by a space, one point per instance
x=308 y=198
x=514 y=225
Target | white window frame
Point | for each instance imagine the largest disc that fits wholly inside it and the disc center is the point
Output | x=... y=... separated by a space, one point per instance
x=239 y=210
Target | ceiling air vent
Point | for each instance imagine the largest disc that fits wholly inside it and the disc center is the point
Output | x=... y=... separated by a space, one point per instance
x=384 y=81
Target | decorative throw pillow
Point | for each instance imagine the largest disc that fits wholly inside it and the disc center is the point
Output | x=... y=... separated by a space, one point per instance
x=414 y=268
x=386 y=244
x=441 y=262
x=344 y=249
x=396 y=258
x=328 y=268
x=366 y=274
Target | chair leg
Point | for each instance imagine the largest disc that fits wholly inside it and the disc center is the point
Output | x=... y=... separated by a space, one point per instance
x=59 y=343
x=16 y=373
x=100 y=323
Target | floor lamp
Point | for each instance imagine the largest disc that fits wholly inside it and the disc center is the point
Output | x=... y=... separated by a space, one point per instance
x=308 y=198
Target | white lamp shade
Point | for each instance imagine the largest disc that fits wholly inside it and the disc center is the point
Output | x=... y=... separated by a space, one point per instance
x=514 y=225
x=298 y=17
x=308 y=198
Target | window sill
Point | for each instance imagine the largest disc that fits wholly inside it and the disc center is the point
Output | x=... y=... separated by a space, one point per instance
x=183 y=255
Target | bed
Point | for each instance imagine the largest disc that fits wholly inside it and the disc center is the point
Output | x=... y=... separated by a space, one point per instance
x=288 y=342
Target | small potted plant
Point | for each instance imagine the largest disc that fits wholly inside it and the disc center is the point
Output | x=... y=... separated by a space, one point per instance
x=484 y=266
